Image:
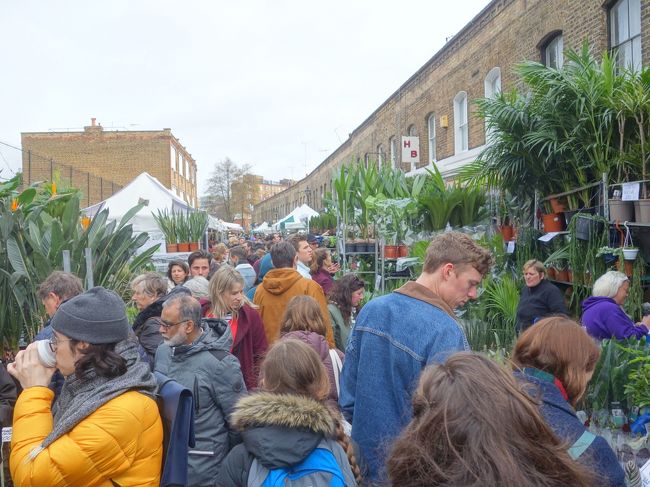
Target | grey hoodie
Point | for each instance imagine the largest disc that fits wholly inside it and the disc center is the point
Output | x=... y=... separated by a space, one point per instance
x=207 y=368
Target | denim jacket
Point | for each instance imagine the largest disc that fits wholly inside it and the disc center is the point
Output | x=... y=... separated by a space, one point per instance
x=394 y=338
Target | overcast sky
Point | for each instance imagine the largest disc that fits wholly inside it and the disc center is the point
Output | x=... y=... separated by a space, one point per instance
x=274 y=84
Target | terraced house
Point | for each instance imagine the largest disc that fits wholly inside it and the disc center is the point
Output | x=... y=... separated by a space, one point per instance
x=434 y=107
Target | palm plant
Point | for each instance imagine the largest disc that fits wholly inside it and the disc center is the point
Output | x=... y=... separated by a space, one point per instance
x=35 y=230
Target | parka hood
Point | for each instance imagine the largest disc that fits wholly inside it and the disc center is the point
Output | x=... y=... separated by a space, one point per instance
x=278 y=281
x=216 y=336
x=281 y=430
x=594 y=300
x=284 y=410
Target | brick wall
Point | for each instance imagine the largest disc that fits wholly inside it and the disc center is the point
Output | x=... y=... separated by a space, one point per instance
x=503 y=34
x=95 y=159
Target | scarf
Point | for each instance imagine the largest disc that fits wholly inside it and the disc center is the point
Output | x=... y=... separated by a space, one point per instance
x=80 y=397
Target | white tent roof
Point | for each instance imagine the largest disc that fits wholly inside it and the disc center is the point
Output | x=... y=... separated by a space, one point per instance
x=302 y=213
x=262 y=228
x=222 y=226
x=144 y=188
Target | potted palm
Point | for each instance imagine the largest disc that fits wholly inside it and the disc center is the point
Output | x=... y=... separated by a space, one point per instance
x=183 y=231
x=166 y=221
x=198 y=223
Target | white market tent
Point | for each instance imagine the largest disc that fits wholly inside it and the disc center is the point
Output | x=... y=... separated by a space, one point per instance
x=299 y=215
x=222 y=226
x=143 y=189
x=262 y=228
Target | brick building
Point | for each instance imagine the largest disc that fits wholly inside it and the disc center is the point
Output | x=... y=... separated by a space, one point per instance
x=100 y=161
x=435 y=103
x=250 y=192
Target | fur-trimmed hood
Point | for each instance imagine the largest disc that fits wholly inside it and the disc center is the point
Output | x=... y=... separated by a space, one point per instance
x=283 y=410
x=281 y=430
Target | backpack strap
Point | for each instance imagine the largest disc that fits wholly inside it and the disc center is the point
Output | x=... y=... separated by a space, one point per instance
x=581 y=444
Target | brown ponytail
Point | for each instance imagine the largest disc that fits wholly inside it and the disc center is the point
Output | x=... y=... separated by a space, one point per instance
x=343 y=440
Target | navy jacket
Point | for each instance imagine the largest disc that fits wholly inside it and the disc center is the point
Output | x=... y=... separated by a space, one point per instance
x=562 y=419
x=177 y=412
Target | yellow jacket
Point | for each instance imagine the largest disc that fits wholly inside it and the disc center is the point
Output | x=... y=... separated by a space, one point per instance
x=120 y=441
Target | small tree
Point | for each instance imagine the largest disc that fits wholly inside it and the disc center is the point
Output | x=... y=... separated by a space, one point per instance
x=218 y=199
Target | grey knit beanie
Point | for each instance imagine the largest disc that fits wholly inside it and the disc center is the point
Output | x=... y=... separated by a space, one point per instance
x=96 y=316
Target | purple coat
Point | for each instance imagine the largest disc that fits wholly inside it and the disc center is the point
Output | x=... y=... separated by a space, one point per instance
x=325 y=280
x=320 y=345
x=603 y=318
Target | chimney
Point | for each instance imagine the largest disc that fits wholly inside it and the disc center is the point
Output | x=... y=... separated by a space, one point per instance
x=93 y=122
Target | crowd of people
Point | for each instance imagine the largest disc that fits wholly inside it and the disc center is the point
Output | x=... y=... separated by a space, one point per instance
x=292 y=378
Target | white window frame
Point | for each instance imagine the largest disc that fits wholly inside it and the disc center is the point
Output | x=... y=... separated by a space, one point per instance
x=461 y=123
x=431 y=126
x=626 y=45
x=492 y=87
x=392 y=146
x=380 y=155
x=554 y=46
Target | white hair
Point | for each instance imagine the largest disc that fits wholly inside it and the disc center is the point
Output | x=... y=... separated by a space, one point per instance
x=608 y=284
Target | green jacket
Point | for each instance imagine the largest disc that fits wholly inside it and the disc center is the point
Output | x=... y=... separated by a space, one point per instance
x=340 y=327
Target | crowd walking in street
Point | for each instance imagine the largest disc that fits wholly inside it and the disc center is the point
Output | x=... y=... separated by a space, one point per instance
x=299 y=383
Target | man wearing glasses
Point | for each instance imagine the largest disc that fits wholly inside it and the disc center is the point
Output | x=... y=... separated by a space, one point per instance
x=196 y=354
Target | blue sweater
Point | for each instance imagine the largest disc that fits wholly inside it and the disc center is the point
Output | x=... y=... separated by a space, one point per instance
x=394 y=338
x=562 y=419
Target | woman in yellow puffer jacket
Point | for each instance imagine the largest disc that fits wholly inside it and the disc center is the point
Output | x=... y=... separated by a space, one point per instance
x=105 y=428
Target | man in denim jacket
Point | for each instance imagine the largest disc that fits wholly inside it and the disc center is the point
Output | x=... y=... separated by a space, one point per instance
x=399 y=334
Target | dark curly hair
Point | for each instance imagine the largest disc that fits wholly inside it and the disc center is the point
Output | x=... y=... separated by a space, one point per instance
x=102 y=358
x=341 y=293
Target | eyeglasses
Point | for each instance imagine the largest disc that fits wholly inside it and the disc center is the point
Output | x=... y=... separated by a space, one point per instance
x=166 y=325
x=54 y=343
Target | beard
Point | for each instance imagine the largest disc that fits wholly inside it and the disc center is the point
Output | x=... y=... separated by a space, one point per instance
x=176 y=340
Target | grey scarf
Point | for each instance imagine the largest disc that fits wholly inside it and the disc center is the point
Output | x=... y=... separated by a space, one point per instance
x=82 y=396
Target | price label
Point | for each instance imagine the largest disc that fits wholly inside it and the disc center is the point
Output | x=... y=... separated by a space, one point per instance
x=6 y=434
x=630 y=191
x=378 y=282
x=510 y=249
x=547 y=236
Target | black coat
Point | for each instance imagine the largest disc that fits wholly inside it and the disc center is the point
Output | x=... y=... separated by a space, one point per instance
x=537 y=302
x=8 y=396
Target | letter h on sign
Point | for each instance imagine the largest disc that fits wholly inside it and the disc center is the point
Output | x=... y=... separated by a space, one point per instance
x=411 y=149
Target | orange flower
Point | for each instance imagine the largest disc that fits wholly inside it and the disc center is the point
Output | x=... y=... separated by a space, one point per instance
x=14 y=204
x=53 y=188
x=85 y=222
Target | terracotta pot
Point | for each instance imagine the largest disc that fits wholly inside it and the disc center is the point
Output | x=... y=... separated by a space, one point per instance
x=403 y=250
x=562 y=275
x=391 y=251
x=551 y=272
x=506 y=232
x=184 y=247
x=194 y=246
x=556 y=205
x=171 y=248
x=553 y=222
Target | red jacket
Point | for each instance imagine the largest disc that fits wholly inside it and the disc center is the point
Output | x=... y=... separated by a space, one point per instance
x=250 y=344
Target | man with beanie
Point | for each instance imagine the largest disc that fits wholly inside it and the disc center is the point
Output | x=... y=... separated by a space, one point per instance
x=196 y=354
x=105 y=428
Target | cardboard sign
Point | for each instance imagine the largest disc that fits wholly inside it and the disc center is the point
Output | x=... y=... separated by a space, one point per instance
x=630 y=191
